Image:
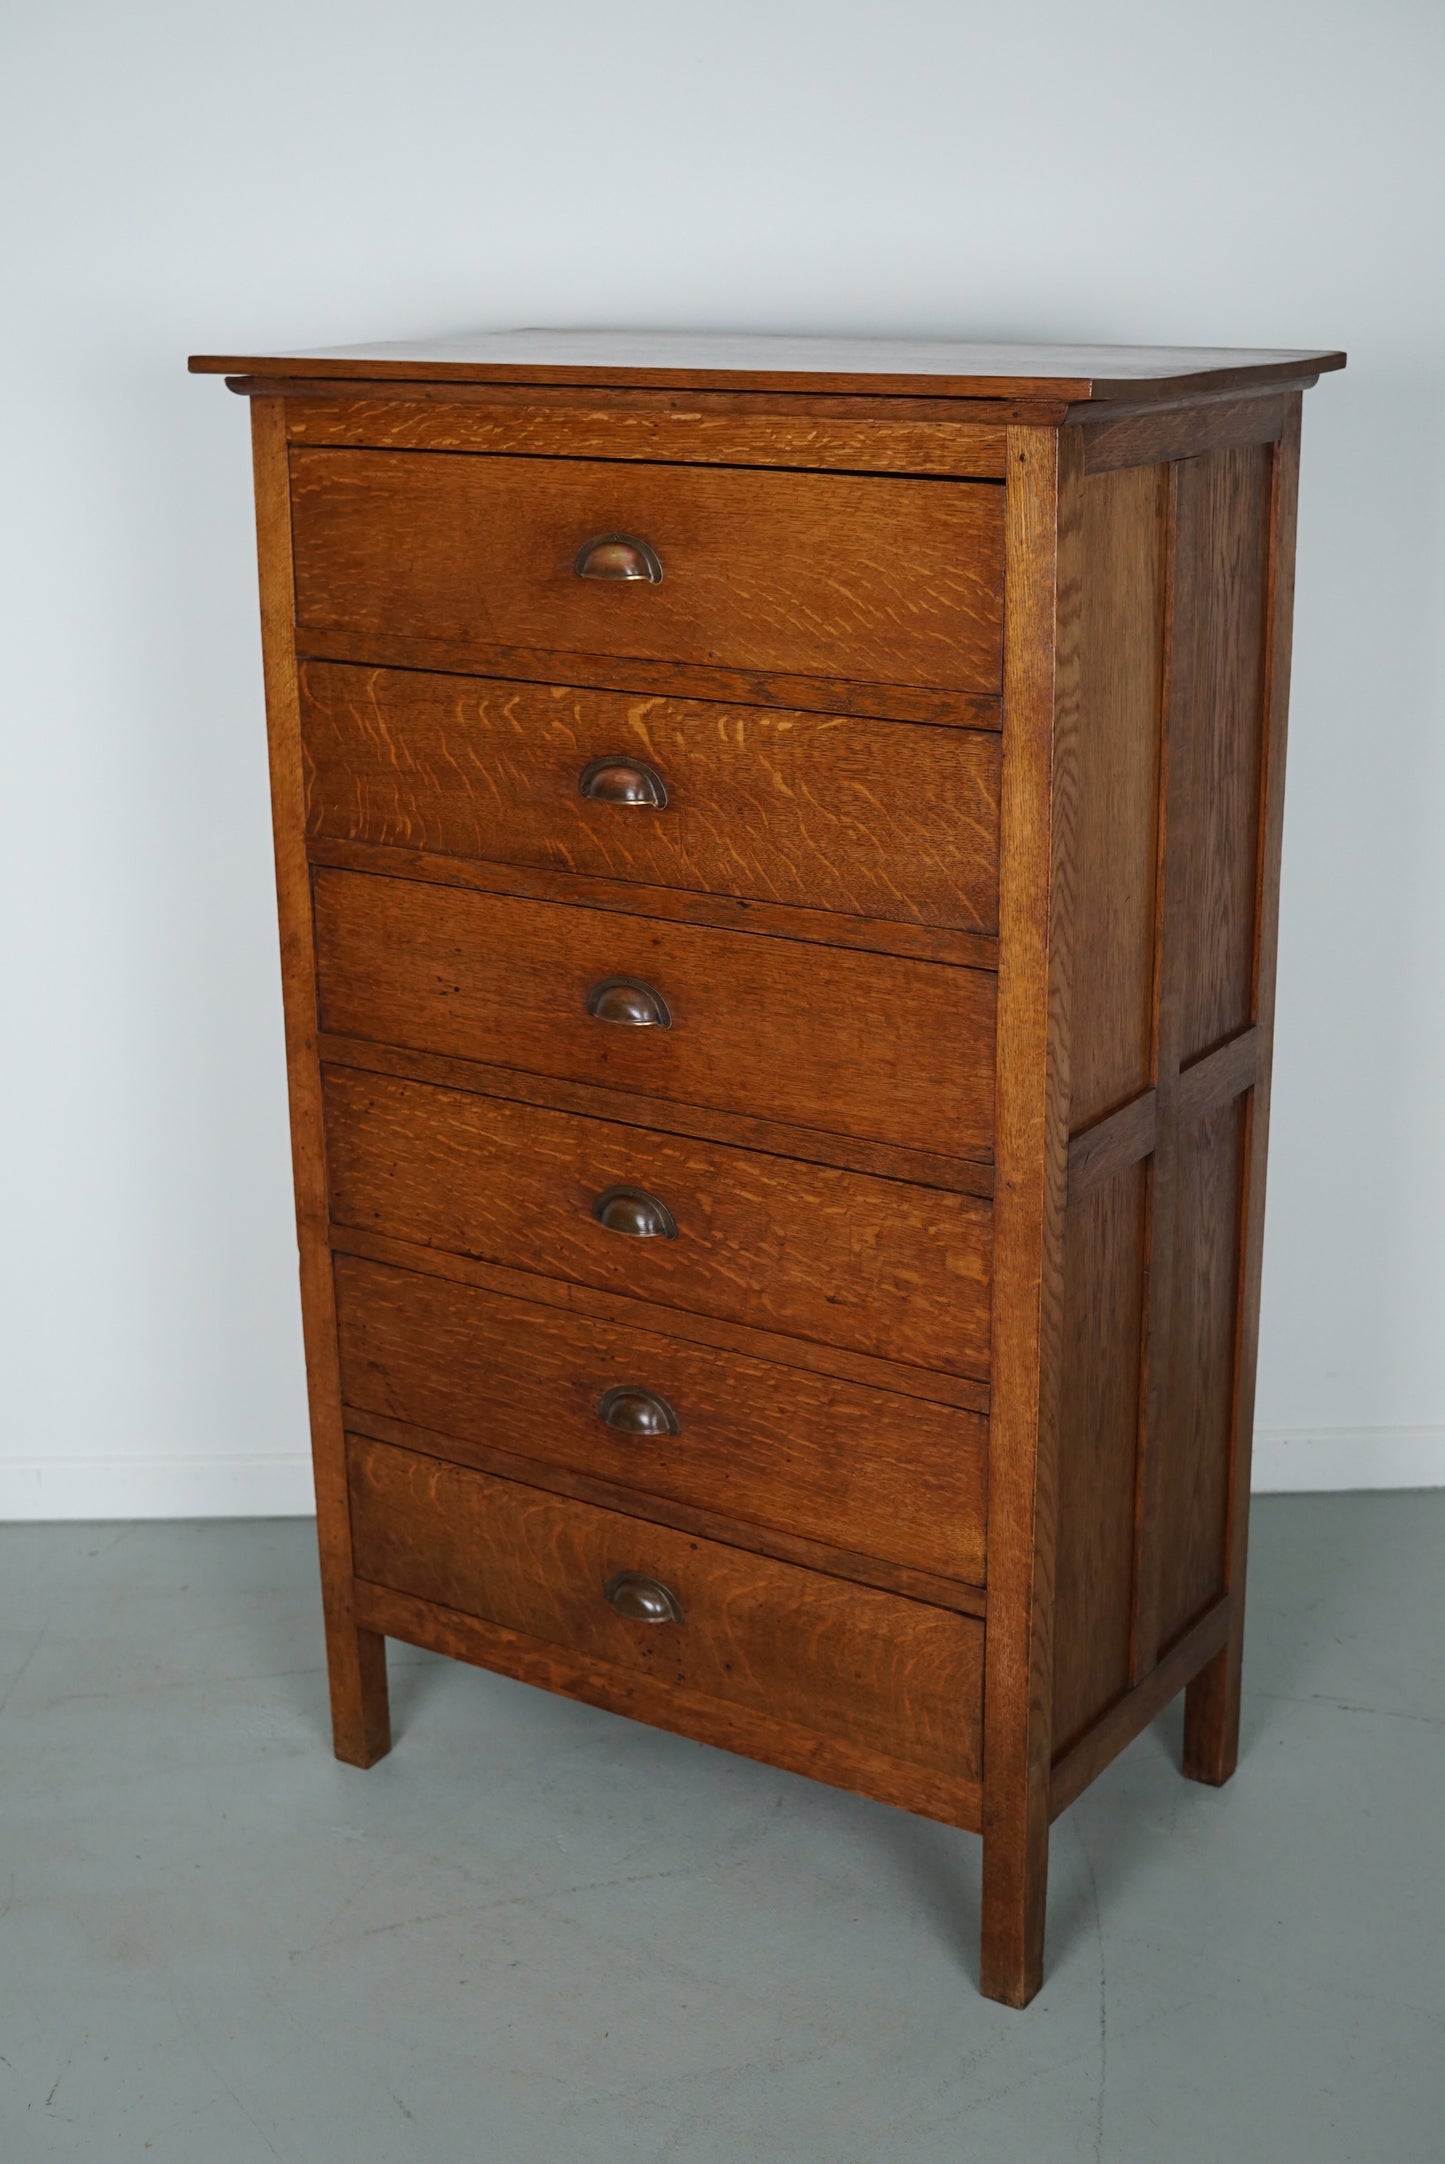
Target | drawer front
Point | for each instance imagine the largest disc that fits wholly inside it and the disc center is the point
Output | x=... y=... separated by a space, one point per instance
x=871 y=1045
x=877 y=1265
x=855 y=1468
x=887 y=581
x=875 y=1671
x=815 y=811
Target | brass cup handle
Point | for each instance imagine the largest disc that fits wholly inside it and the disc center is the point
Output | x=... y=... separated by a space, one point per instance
x=620 y=780
x=641 y=1600
x=634 y=1005
x=618 y=556
x=635 y=1213
x=634 y=1411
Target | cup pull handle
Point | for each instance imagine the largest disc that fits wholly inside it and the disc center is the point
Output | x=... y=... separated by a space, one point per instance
x=641 y=1600
x=634 y=1411
x=634 y=1005
x=618 y=556
x=619 y=780
x=634 y=1213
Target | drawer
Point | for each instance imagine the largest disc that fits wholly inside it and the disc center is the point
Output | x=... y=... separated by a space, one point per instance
x=881 y=1673
x=871 y=1045
x=816 y=811
x=855 y=1468
x=879 y=1265
x=812 y=574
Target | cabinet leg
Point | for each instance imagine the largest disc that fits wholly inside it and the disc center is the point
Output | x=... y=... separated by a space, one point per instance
x=1015 y=1882
x=1211 y=1713
x=360 y=1711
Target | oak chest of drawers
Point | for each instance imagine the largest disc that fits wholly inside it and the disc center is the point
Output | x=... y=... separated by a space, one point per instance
x=778 y=849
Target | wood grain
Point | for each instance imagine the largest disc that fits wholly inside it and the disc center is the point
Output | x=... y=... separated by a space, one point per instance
x=1037 y=843
x=1170 y=955
x=1130 y=1715
x=1105 y=1258
x=1211 y=1716
x=818 y=574
x=477 y=655
x=765 y=920
x=869 y=1045
x=887 y=1161
x=1113 y=1144
x=877 y=1673
x=1219 y=1077
x=1120 y=640
x=1209 y=929
x=864 y=1470
x=702 y=429
x=1224 y=520
x=632 y=1312
x=964 y=901
x=823 y=812
x=717 y=360
x=644 y=1697
x=355 y=1655
x=874 y=1265
x=904 y=1579
x=1150 y=438
x=1193 y=1514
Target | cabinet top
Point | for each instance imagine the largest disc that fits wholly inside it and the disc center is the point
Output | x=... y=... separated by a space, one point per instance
x=705 y=360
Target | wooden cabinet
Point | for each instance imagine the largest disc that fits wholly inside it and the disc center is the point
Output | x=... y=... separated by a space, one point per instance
x=778 y=853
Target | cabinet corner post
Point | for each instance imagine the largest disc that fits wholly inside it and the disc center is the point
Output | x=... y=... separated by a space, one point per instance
x=1041 y=575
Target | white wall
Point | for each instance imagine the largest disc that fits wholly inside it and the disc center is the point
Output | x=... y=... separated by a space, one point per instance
x=188 y=177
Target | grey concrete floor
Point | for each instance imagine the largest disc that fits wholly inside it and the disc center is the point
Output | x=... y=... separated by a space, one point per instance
x=538 y=1934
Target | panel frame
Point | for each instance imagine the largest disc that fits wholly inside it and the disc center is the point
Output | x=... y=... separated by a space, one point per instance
x=355 y=1650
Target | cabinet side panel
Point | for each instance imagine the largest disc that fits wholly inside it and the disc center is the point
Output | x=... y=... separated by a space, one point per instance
x=1193 y=1501
x=1216 y=726
x=1224 y=524
x=356 y=1657
x=1104 y=1284
x=1121 y=640
x=1122 y=609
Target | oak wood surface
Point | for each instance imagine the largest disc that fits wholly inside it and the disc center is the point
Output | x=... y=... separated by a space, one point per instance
x=1157 y=1351
x=806 y=1250
x=644 y=1697
x=905 y=1579
x=972 y=837
x=1112 y=1144
x=1191 y=1525
x=700 y=429
x=1183 y=1665
x=736 y=361
x=864 y=1470
x=588 y=405
x=1123 y=632
x=768 y=920
x=802 y=572
x=631 y=1311
x=888 y=1161
x=1036 y=861
x=882 y=580
x=1219 y=1076
x=1211 y=1715
x=869 y=1045
x=1100 y=1398
x=1149 y=438
x=823 y=812
x=1120 y=646
x=878 y=1673
x=356 y=1655
x=1224 y=512
x=477 y=655
x=1216 y=728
